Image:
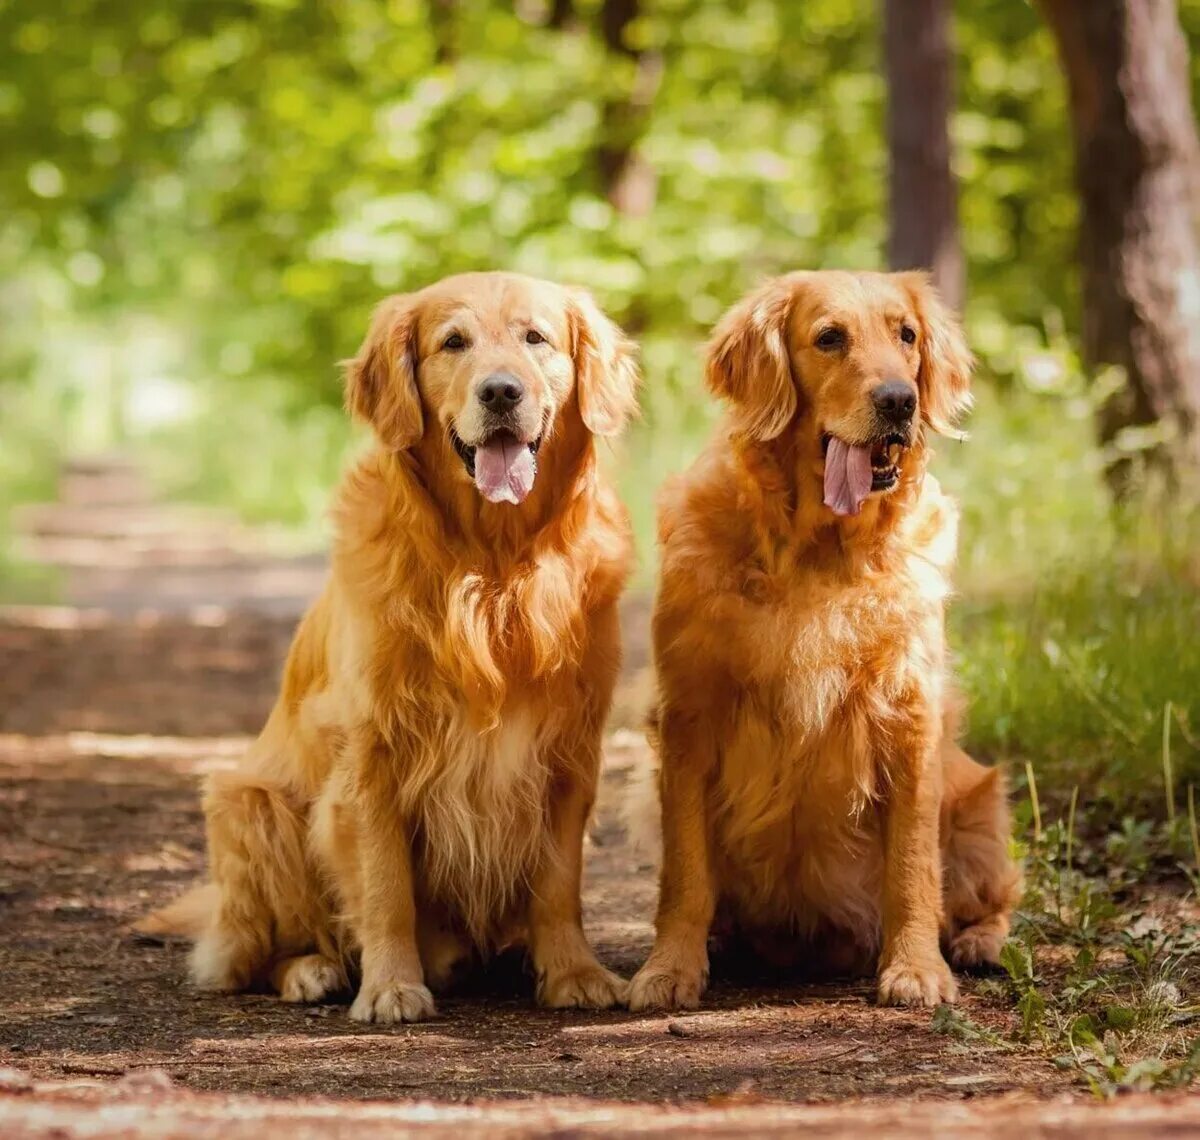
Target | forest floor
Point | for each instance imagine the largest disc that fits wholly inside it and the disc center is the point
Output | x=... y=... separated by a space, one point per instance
x=157 y=671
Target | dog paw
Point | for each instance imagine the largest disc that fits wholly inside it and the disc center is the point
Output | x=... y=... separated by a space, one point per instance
x=977 y=946
x=588 y=986
x=911 y=983
x=308 y=979
x=392 y=1003
x=663 y=987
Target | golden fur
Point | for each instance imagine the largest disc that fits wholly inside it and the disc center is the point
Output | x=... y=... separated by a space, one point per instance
x=806 y=717
x=418 y=796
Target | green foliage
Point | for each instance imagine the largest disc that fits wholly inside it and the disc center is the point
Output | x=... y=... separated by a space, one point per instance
x=1119 y=1009
x=29 y=422
x=1018 y=209
x=255 y=173
x=1075 y=673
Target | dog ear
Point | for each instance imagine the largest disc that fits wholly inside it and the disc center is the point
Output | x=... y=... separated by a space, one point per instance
x=748 y=362
x=944 y=379
x=606 y=368
x=381 y=380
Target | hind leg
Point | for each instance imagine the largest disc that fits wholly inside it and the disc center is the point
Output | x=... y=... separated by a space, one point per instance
x=267 y=906
x=981 y=881
x=307 y=978
x=446 y=953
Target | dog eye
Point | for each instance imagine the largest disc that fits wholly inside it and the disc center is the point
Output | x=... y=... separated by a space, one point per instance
x=454 y=342
x=534 y=337
x=908 y=334
x=831 y=338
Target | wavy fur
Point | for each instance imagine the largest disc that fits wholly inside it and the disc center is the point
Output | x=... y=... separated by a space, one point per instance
x=418 y=796
x=805 y=723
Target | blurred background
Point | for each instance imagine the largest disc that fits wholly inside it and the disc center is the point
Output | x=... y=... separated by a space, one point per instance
x=200 y=201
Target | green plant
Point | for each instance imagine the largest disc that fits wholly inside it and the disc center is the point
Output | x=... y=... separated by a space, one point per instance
x=1118 y=1011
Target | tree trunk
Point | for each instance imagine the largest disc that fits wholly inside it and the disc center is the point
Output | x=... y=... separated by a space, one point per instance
x=1136 y=163
x=443 y=20
x=629 y=181
x=562 y=13
x=919 y=62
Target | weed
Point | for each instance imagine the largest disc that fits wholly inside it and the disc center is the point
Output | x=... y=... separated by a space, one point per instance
x=954 y=1023
x=1100 y=983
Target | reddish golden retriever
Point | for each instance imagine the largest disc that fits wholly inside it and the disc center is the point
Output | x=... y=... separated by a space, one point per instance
x=814 y=801
x=418 y=796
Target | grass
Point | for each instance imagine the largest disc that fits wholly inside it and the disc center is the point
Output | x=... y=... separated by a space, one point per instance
x=1102 y=971
x=1103 y=966
x=1088 y=676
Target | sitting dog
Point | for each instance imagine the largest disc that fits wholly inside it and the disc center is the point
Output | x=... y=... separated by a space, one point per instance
x=418 y=796
x=815 y=804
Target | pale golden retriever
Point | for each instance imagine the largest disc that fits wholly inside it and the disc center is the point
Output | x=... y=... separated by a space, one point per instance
x=815 y=805
x=418 y=796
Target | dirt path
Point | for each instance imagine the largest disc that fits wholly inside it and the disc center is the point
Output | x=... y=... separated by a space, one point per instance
x=96 y=829
x=107 y=721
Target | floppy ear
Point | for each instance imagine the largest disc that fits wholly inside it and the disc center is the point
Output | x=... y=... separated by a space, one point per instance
x=944 y=379
x=381 y=381
x=606 y=370
x=748 y=362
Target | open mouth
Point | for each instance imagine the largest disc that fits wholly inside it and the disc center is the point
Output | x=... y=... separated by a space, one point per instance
x=854 y=471
x=502 y=466
x=885 y=462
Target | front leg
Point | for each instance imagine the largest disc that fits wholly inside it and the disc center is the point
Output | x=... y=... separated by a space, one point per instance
x=912 y=970
x=393 y=984
x=568 y=974
x=676 y=973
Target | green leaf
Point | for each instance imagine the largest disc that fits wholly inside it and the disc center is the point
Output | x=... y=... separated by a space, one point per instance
x=1017 y=960
x=1120 y=1017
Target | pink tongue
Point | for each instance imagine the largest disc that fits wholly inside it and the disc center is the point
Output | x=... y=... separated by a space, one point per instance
x=847 y=477
x=504 y=470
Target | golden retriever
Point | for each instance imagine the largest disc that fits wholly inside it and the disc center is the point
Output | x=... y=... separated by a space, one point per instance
x=814 y=801
x=418 y=797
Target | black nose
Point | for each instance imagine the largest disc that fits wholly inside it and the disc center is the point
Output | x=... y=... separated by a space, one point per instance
x=501 y=392
x=895 y=401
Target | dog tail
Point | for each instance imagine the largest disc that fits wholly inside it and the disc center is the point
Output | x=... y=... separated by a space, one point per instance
x=186 y=917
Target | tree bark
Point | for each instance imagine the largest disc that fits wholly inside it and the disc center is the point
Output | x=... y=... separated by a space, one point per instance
x=562 y=13
x=629 y=181
x=919 y=64
x=1126 y=63
x=443 y=21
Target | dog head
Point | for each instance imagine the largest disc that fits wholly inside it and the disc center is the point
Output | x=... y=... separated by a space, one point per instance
x=492 y=368
x=853 y=366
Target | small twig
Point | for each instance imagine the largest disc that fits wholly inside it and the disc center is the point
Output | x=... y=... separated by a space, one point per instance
x=1070 y=843
x=1071 y=825
x=1195 y=829
x=1033 y=799
x=59 y=845
x=842 y=1053
x=1168 y=775
x=1181 y=722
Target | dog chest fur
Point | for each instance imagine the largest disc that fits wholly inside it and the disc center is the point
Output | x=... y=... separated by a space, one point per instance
x=804 y=760
x=479 y=806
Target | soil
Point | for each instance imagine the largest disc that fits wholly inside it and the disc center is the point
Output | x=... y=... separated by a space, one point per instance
x=109 y=716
